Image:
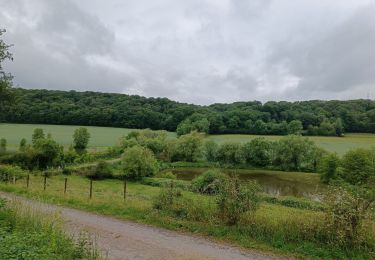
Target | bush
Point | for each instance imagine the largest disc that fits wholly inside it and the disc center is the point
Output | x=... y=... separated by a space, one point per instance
x=358 y=166
x=166 y=197
x=138 y=162
x=208 y=182
x=328 y=167
x=7 y=172
x=235 y=198
x=167 y=175
x=230 y=153
x=101 y=171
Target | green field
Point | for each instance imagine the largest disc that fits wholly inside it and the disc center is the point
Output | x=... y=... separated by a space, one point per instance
x=100 y=136
x=108 y=136
x=339 y=145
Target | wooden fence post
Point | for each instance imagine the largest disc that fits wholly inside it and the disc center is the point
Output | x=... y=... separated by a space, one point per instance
x=45 y=182
x=90 y=189
x=124 y=189
x=27 y=181
x=65 y=184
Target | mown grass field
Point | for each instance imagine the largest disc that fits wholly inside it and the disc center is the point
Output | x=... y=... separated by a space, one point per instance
x=108 y=136
x=339 y=145
x=101 y=137
x=276 y=230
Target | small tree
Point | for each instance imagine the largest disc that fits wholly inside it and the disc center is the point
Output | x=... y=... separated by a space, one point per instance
x=235 y=198
x=231 y=153
x=188 y=147
x=3 y=145
x=329 y=167
x=47 y=153
x=138 y=162
x=210 y=150
x=23 y=143
x=295 y=127
x=339 y=128
x=257 y=152
x=38 y=134
x=358 y=166
x=81 y=139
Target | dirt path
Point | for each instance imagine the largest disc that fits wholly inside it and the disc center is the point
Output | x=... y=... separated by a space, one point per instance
x=120 y=239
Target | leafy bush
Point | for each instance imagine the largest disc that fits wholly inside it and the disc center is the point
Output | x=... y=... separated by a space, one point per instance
x=101 y=171
x=348 y=207
x=139 y=162
x=166 y=197
x=208 y=182
x=7 y=172
x=167 y=175
x=235 y=198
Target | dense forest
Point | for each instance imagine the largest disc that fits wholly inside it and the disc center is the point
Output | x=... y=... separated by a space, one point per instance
x=118 y=110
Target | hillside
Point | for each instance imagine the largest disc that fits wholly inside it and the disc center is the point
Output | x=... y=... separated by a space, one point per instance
x=119 y=110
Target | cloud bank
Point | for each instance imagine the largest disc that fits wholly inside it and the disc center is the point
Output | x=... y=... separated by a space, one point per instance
x=195 y=51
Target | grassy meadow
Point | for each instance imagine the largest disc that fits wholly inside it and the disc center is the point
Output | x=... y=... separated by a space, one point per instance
x=102 y=137
x=274 y=228
x=339 y=145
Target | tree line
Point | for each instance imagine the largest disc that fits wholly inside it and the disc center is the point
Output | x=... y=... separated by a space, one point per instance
x=330 y=118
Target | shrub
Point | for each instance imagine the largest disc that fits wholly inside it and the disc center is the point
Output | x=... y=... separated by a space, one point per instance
x=138 y=162
x=358 y=166
x=235 y=198
x=348 y=207
x=167 y=197
x=167 y=175
x=257 y=152
x=208 y=182
x=101 y=171
x=329 y=167
x=7 y=172
x=230 y=153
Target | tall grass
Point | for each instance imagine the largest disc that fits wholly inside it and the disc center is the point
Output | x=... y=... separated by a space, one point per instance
x=28 y=233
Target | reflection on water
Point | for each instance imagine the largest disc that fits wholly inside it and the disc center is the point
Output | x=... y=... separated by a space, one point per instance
x=271 y=183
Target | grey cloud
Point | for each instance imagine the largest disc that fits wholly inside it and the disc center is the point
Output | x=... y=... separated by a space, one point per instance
x=194 y=51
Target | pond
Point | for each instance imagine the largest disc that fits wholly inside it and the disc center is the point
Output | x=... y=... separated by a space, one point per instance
x=275 y=183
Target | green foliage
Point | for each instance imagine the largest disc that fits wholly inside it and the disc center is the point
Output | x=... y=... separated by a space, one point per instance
x=358 y=166
x=194 y=123
x=27 y=234
x=208 y=182
x=7 y=172
x=292 y=152
x=210 y=150
x=101 y=171
x=6 y=95
x=295 y=127
x=348 y=207
x=38 y=134
x=138 y=162
x=81 y=139
x=156 y=141
x=230 y=153
x=166 y=197
x=23 y=144
x=257 y=152
x=187 y=148
x=3 y=145
x=235 y=198
x=48 y=153
x=159 y=113
x=328 y=167
x=165 y=182
x=167 y=175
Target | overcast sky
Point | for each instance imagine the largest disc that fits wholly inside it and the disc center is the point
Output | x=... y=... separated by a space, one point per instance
x=196 y=51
